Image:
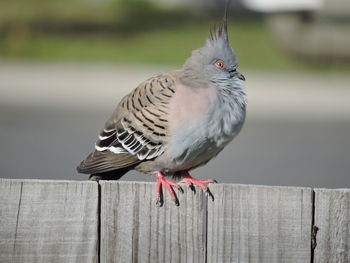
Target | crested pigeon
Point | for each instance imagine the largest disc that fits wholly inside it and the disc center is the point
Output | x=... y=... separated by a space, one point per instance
x=175 y=121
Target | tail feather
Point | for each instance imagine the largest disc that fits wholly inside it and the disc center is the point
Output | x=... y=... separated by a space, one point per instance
x=108 y=164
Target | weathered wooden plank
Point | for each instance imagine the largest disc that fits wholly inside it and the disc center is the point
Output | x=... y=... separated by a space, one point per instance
x=48 y=221
x=134 y=229
x=259 y=224
x=332 y=217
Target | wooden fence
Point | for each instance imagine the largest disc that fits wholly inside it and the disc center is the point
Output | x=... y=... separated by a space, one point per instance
x=73 y=221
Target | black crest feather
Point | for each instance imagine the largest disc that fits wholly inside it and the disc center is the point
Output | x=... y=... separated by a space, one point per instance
x=220 y=31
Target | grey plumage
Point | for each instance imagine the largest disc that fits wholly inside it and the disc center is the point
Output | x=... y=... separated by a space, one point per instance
x=176 y=121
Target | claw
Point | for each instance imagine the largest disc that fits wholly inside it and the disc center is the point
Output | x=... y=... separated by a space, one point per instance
x=192 y=188
x=181 y=190
x=187 y=178
x=209 y=194
x=159 y=202
x=169 y=186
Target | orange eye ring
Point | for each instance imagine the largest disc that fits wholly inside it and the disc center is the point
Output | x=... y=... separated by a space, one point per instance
x=220 y=64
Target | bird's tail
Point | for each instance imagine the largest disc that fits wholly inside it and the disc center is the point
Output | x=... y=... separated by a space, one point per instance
x=107 y=165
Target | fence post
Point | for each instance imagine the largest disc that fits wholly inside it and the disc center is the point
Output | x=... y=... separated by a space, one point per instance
x=134 y=229
x=48 y=221
x=332 y=217
x=249 y=223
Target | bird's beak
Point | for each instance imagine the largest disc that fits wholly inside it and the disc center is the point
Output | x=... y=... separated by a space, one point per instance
x=236 y=74
x=240 y=76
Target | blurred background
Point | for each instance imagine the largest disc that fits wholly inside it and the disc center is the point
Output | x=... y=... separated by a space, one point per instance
x=65 y=64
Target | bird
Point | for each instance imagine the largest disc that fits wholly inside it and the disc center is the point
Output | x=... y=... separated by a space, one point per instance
x=176 y=121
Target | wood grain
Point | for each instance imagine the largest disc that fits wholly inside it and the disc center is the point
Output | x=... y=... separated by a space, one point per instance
x=332 y=217
x=59 y=221
x=134 y=229
x=249 y=223
x=48 y=221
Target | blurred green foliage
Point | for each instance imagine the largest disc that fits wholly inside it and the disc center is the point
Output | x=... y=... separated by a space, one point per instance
x=127 y=32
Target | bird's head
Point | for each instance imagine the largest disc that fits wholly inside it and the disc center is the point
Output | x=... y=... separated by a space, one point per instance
x=215 y=61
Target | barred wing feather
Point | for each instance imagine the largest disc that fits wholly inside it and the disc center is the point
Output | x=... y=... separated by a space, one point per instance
x=139 y=126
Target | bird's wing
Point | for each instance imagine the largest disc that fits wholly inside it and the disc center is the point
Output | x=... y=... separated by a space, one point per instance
x=137 y=129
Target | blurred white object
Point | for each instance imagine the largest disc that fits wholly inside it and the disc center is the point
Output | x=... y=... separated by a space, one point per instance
x=313 y=30
x=282 y=5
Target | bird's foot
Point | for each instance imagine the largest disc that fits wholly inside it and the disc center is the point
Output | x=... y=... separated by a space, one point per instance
x=188 y=179
x=169 y=186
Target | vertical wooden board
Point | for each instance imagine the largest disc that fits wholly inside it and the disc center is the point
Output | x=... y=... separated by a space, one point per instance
x=48 y=221
x=259 y=224
x=134 y=229
x=332 y=217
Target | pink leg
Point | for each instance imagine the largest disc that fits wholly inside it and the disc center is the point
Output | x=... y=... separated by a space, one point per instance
x=169 y=186
x=187 y=178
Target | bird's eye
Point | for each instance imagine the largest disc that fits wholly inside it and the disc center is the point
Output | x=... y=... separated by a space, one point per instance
x=220 y=64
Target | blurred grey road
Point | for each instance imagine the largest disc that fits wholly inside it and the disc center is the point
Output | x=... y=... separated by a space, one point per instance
x=297 y=131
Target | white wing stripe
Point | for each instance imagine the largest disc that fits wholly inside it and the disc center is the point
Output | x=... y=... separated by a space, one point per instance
x=105 y=137
x=117 y=149
x=112 y=149
x=100 y=149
